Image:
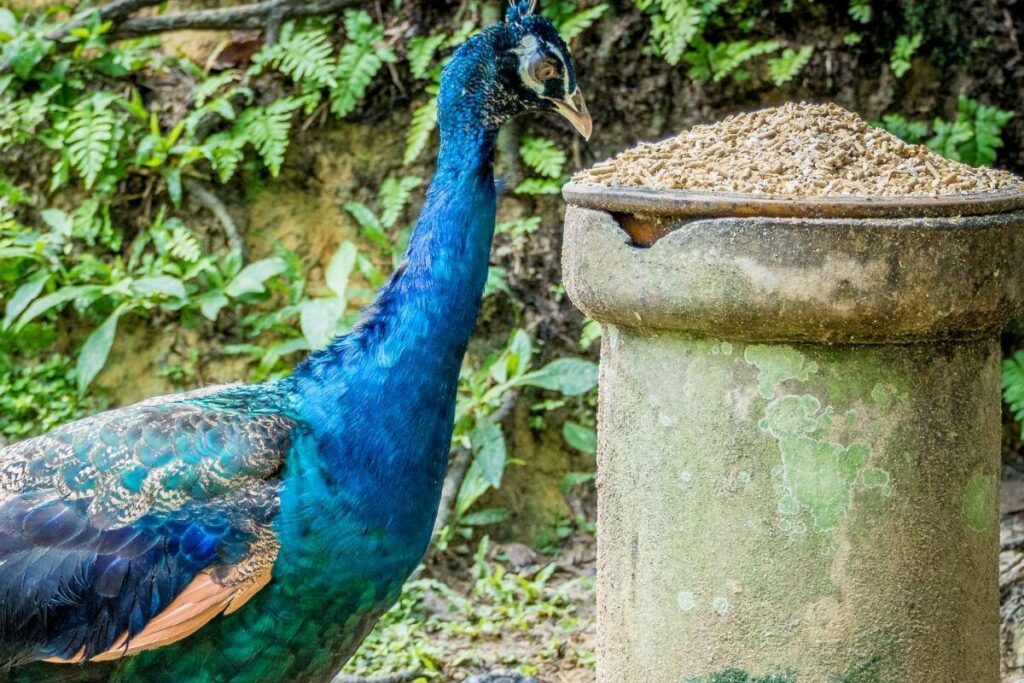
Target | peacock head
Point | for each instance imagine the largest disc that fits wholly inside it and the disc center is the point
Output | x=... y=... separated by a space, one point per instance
x=518 y=66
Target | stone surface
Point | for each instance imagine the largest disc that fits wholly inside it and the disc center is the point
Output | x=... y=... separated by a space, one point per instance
x=774 y=506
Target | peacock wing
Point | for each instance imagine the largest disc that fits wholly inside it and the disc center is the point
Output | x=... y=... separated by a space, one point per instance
x=133 y=528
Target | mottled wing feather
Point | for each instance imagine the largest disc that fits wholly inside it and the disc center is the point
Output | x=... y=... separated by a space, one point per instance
x=133 y=528
x=151 y=456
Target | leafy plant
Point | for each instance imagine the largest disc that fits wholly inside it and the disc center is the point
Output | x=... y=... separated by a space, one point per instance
x=545 y=158
x=786 y=66
x=973 y=137
x=720 y=60
x=482 y=392
x=903 y=51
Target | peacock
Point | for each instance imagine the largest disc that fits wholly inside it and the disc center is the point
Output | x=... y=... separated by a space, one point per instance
x=257 y=532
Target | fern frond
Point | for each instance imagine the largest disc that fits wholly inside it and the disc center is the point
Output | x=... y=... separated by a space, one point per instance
x=786 y=66
x=420 y=52
x=424 y=120
x=543 y=156
x=1013 y=384
x=204 y=90
x=393 y=196
x=578 y=22
x=860 y=10
x=359 y=61
x=267 y=128
x=304 y=54
x=720 y=60
x=902 y=52
x=987 y=124
x=91 y=136
x=675 y=28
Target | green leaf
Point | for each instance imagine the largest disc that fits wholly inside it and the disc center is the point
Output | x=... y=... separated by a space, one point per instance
x=93 y=355
x=319 y=319
x=61 y=222
x=520 y=353
x=570 y=376
x=902 y=52
x=488 y=450
x=23 y=296
x=211 y=304
x=543 y=156
x=579 y=21
x=786 y=66
x=1013 y=384
x=484 y=517
x=574 y=479
x=539 y=186
x=58 y=298
x=860 y=10
x=251 y=279
x=160 y=284
x=424 y=120
x=420 y=51
x=340 y=268
x=580 y=437
x=474 y=485
x=394 y=194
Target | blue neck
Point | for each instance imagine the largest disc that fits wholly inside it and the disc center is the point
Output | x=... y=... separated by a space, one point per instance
x=397 y=372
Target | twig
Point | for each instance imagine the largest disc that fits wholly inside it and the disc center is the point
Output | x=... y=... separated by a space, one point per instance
x=250 y=17
x=452 y=483
x=113 y=12
x=403 y=677
x=213 y=203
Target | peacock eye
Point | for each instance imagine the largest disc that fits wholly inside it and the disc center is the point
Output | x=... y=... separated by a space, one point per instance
x=545 y=70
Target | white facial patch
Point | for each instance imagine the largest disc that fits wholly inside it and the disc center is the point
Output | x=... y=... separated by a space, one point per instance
x=528 y=51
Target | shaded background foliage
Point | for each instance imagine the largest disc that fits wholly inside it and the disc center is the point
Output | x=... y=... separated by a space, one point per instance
x=191 y=207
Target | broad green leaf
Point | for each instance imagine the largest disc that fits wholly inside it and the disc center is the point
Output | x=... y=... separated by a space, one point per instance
x=580 y=437
x=520 y=353
x=61 y=222
x=93 y=355
x=489 y=450
x=160 y=284
x=319 y=320
x=570 y=376
x=61 y=296
x=474 y=485
x=574 y=479
x=251 y=279
x=211 y=303
x=484 y=517
x=340 y=268
x=23 y=296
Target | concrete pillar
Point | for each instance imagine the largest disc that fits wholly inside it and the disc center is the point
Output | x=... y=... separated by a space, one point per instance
x=799 y=443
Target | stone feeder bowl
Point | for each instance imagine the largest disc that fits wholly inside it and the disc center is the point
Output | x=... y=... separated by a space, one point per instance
x=799 y=430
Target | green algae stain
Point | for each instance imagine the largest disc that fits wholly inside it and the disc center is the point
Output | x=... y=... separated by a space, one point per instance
x=818 y=475
x=776 y=364
x=737 y=676
x=869 y=671
x=979 y=505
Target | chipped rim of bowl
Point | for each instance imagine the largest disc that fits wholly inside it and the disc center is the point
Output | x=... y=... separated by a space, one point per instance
x=705 y=204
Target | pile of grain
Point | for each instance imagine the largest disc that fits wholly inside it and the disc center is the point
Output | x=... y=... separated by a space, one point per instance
x=796 y=149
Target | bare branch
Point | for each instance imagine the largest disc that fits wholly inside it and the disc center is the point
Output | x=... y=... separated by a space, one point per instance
x=114 y=12
x=252 y=17
x=213 y=203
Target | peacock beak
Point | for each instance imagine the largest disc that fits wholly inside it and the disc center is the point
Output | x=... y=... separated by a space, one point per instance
x=574 y=109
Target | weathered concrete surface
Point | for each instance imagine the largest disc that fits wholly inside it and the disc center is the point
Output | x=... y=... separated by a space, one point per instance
x=798 y=511
x=836 y=280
